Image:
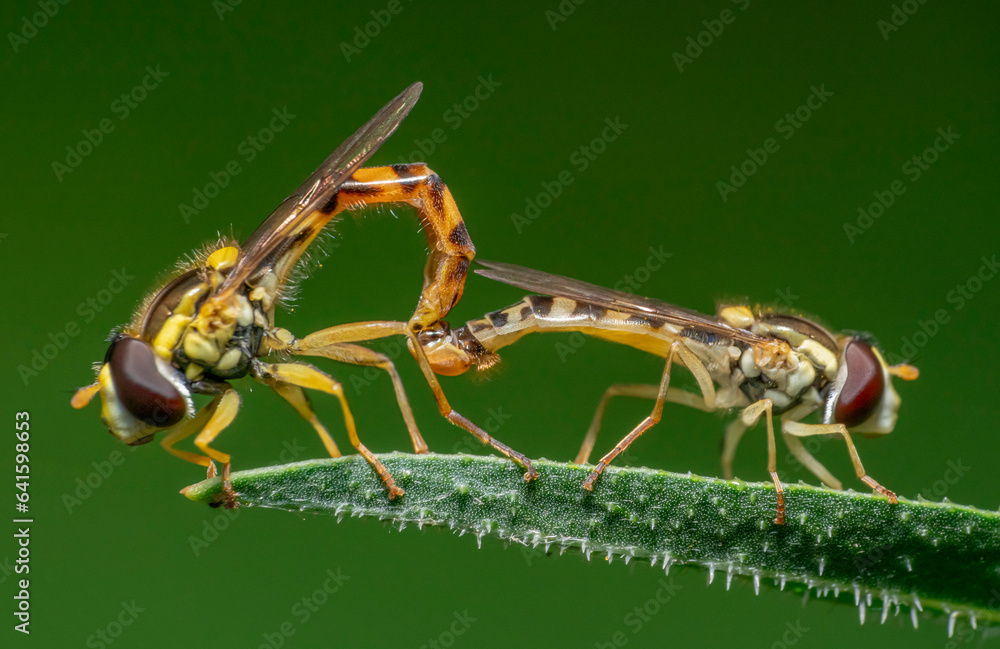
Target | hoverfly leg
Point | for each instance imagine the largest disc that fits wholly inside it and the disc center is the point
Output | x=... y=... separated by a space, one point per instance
x=736 y=429
x=789 y=421
x=213 y=418
x=334 y=343
x=734 y=432
x=307 y=376
x=228 y=495
x=870 y=481
x=646 y=424
x=279 y=339
x=294 y=395
x=807 y=460
x=639 y=391
x=803 y=430
x=225 y=413
x=530 y=472
x=749 y=416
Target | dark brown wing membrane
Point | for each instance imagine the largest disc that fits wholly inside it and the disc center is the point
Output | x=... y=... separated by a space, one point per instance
x=559 y=286
x=291 y=217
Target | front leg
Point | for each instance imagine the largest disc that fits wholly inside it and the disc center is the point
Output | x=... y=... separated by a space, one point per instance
x=736 y=428
x=799 y=450
x=210 y=421
x=803 y=430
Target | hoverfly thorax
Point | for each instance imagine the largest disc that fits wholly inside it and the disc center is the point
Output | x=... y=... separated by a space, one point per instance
x=790 y=362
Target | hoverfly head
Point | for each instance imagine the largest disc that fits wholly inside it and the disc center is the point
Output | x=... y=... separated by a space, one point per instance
x=141 y=394
x=862 y=396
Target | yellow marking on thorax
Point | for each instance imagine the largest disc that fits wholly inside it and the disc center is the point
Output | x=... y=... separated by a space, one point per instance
x=177 y=323
x=740 y=317
x=265 y=291
x=223 y=260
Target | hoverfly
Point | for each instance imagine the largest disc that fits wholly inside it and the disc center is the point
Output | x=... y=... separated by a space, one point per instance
x=763 y=362
x=213 y=321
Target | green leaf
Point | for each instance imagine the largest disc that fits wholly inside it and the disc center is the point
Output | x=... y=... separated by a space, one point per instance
x=844 y=545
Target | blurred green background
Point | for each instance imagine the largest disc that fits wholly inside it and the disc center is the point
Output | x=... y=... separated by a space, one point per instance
x=547 y=75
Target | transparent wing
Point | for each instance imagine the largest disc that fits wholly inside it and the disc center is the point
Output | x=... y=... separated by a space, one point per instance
x=559 y=286
x=291 y=217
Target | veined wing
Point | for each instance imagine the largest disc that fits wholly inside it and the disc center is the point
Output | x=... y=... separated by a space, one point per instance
x=291 y=218
x=559 y=286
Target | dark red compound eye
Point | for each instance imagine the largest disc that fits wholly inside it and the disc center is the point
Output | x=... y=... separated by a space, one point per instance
x=142 y=390
x=862 y=391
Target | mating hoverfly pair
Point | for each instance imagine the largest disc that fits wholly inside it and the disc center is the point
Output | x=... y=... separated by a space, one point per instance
x=214 y=321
